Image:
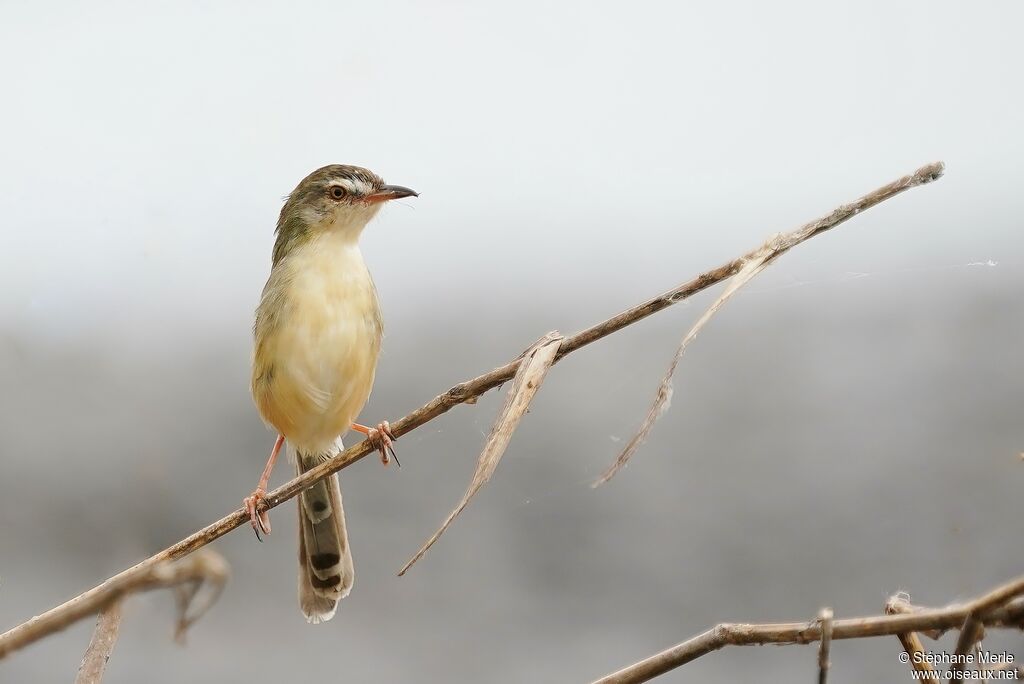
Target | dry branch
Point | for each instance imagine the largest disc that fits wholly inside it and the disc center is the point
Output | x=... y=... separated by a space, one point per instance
x=992 y=609
x=753 y=263
x=900 y=605
x=971 y=633
x=748 y=266
x=528 y=379
x=104 y=637
x=208 y=567
x=826 y=619
x=92 y=600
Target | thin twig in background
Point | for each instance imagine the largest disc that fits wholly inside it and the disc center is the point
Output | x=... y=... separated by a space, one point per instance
x=104 y=636
x=992 y=609
x=971 y=633
x=205 y=568
x=60 y=616
x=826 y=620
x=208 y=568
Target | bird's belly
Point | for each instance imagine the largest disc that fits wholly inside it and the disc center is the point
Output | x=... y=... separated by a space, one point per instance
x=323 y=354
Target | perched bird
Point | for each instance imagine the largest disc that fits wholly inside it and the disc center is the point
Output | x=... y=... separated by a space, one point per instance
x=317 y=337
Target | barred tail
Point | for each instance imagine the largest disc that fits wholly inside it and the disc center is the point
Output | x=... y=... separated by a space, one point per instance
x=325 y=561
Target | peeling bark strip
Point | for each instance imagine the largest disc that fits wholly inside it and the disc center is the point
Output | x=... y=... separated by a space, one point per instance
x=754 y=264
x=745 y=268
x=88 y=602
x=528 y=379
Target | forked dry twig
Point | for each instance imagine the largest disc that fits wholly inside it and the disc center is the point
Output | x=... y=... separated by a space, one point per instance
x=996 y=608
x=899 y=604
x=206 y=568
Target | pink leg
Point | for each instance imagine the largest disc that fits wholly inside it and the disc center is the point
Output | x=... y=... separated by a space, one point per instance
x=260 y=519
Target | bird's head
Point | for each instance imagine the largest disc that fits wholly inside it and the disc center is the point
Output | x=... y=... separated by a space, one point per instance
x=338 y=198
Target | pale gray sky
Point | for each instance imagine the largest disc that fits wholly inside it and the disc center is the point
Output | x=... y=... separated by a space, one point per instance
x=146 y=151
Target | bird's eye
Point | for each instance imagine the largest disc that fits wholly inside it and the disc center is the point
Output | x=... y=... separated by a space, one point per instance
x=337 y=192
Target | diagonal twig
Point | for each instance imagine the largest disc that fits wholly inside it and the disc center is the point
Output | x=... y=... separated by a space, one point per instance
x=531 y=373
x=60 y=616
x=749 y=266
x=754 y=264
x=971 y=633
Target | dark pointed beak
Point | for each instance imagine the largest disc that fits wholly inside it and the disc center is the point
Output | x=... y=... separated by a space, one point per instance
x=391 y=192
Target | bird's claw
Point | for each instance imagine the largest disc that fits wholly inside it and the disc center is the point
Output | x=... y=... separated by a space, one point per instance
x=259 y=516
x=383 y=440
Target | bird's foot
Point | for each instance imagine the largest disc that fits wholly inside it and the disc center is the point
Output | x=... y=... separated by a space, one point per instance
x=256 y=503
x=382 y=439
x=259 y=516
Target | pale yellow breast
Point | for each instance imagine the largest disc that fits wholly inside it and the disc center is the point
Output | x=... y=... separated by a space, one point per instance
x=318 y=336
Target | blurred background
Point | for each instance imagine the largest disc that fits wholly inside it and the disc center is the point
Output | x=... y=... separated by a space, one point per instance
x=847 y=427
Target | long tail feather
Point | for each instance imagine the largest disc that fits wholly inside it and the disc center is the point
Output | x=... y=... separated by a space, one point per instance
x=325 y=561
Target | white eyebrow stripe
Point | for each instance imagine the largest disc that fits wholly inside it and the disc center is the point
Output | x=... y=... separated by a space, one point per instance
x=353 y=186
